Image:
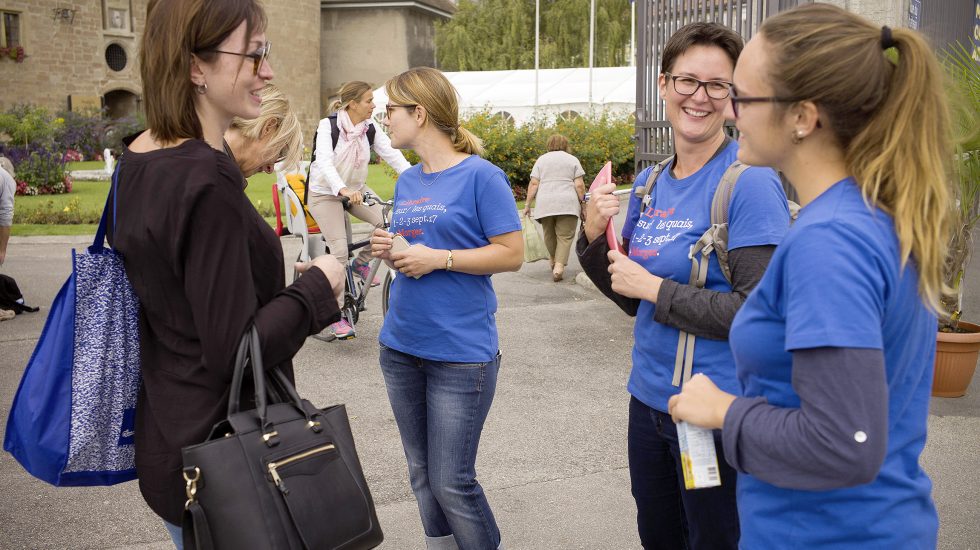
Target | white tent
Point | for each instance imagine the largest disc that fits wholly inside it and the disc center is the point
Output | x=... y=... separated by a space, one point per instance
x=559 y=91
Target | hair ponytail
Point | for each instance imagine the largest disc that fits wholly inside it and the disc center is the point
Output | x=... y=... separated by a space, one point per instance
x=889 y=116
x=466 y=141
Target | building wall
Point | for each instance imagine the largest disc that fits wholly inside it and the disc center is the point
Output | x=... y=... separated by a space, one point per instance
x=372 y=45
x=68 y=58
x=894 y=13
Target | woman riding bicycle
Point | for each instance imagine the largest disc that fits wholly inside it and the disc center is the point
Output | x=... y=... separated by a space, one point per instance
x=340 y=168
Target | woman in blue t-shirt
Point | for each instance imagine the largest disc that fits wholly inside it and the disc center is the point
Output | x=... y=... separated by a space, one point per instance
x=439 y=349
x=653 y=283
x=834 y=349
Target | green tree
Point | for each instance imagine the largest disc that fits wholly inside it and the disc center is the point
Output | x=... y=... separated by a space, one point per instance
x=499 y=34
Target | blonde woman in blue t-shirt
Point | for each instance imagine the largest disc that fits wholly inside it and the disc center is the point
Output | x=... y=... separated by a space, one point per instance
x=439 y=350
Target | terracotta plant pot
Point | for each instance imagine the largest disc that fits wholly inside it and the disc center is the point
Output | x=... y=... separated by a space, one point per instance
x=956 y=360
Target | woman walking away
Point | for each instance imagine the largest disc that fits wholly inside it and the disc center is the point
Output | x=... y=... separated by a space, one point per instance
x=556 y=182
x=673 y=313
x=439 y=349
x=202 y=261
x=258 y=144
x=834 y=349
x=339 y=170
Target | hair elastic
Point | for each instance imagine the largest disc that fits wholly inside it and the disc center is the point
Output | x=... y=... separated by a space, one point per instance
x=886 y=38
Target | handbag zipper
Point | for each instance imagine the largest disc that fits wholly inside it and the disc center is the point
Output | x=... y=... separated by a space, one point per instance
x=273 y=466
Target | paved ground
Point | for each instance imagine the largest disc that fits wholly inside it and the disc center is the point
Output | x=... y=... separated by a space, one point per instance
x=553 y=458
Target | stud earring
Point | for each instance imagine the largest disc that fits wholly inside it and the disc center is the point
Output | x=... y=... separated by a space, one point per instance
x=797 y=137
x=201 y=88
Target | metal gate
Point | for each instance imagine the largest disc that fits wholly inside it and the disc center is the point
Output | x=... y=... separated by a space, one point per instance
x=656 y=20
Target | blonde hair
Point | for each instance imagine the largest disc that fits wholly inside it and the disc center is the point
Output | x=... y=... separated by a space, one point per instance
x=889 y=116
x=349 y=92
x=277 y=115
x=429 y=88
x=7 y=165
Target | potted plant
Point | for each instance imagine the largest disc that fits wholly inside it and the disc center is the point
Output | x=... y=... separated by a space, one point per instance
x=958 y=342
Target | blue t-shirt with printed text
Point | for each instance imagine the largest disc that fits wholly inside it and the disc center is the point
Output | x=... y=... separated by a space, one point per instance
x=836 y=281
x=660 y=236
x=448 y=315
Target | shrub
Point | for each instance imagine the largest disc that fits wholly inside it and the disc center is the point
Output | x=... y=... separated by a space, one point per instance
x=121 y=128
x=43 y=173
x=48 y=213
x=593 y=140
x=29 y=126
x=83 y=133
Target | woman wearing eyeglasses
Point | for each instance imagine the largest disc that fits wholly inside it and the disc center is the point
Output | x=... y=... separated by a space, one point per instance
x=202 y=261
x=339 y=170
x=258 y=144
x=653 y=283
x=835 y=347
x=439 y=348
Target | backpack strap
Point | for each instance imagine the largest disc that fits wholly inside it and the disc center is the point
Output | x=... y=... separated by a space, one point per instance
x=715 y=239
x=335 y=131
x=643 y=193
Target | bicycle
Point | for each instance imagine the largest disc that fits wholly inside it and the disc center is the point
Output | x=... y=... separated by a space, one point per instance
x=356 y=289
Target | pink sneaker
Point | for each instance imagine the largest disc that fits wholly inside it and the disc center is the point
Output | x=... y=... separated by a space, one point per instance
x=363 y=271
x=342 y=330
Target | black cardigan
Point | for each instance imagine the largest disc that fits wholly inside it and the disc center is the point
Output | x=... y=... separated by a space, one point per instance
x=204 y=265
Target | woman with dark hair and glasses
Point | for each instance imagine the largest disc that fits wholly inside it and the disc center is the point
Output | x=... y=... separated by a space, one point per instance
x=653 y=283
x=202 y=261
x=835 y=347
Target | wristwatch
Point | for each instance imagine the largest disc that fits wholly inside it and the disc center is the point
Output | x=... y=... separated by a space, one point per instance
x=449 y=261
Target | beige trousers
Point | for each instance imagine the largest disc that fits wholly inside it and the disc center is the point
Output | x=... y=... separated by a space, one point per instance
x=329 y=214
x=559 y=232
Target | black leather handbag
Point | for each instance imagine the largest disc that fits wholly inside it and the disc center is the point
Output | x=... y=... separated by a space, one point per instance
x=282 y=476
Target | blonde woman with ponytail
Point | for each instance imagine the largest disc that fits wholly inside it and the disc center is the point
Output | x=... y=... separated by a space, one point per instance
x=339 y=171
x=835 y=347
x=439 y=348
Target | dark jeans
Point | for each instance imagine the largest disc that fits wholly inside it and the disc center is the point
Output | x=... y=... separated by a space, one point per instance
x=668 y=516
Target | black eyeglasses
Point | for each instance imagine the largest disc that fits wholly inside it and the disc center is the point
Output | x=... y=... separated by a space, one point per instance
x=770 y=99
x=685 y=85
x=258 y=57
x=389 y=108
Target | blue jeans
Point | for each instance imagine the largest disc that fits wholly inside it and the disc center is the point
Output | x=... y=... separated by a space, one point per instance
x=176 y=535
x=668 y=516
x=440 y=409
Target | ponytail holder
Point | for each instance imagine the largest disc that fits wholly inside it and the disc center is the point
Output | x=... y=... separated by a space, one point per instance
x=886 y=38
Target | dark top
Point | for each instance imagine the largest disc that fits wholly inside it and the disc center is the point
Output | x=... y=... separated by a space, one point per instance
x=204 y=265
x=838 y=436
x=698 y=311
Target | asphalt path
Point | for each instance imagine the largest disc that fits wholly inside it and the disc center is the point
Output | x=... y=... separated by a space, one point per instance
x=553 y=453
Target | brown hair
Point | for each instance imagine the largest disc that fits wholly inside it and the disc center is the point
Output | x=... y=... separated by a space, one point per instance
x=349 y=92
x=889 y=116
x=431 y=89
x=175 y=30
x=276 y=115
x=558 y=142
x=700 y=34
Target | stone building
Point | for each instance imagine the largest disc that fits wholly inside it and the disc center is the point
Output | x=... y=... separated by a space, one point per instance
x=83 y=55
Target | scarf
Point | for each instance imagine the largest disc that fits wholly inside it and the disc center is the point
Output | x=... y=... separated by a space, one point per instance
x=351 y=142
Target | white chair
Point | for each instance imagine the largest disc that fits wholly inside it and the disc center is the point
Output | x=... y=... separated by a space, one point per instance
x=292 y=206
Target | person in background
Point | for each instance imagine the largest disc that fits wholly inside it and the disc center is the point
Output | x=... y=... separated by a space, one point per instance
x=339 y=171
x=8 y=188
x=834 y=349
x=557 y=184
x=653 y=283
x=439 y=349
x=275 y=136
x=203 y=263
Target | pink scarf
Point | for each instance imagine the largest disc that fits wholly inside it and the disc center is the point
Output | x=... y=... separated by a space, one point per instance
x=351 y=141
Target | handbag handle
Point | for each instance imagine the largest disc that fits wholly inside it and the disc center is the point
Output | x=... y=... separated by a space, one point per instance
x=98 y=245
x=249 y=351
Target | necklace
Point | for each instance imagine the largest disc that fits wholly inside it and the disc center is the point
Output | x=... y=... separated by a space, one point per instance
x=433 y=182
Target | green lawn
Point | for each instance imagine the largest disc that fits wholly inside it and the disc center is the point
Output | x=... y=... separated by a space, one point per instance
x=91 y=197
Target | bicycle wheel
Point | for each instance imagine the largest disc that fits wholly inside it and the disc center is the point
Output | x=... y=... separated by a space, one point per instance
x=386 y=290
